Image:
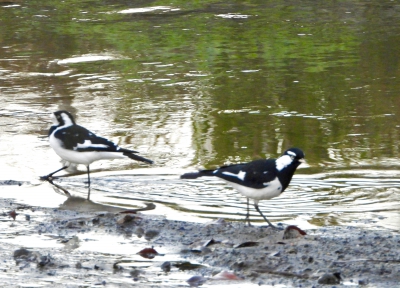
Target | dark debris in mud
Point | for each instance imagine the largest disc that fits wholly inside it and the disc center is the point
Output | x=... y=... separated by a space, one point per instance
x=161 y=252
x=12 y=182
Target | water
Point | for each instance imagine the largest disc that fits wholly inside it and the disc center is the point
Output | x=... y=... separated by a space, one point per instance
x=204 y=84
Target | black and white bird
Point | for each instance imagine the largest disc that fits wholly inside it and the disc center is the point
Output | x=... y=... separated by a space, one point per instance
x=75 y=144
x=260 y=179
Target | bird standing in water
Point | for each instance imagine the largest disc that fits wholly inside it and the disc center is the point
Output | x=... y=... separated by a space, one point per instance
x=260 y=179
x=75 y=144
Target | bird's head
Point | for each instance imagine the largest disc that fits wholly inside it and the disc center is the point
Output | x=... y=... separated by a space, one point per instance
x=295 y=154
x=62 y=118
x=292 y=156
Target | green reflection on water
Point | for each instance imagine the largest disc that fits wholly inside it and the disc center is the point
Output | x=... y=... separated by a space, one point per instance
x=256 y=77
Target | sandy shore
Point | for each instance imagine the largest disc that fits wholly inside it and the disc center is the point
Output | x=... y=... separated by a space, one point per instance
x=67 y=248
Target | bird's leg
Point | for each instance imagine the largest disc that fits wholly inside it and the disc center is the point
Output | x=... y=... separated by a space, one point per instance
x=49 y=177
x=259 y=211
x=248 y=213
x=88 y=177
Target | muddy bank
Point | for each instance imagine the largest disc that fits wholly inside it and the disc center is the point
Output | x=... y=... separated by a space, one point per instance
x=95 y=245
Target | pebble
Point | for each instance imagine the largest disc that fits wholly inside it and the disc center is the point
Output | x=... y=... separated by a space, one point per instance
x=44 y=260
x=196 y=281
x=139 y=232
x=166 y=266
x=150 y=234
x=135 y=273
x=330 y=278
x=22 y=253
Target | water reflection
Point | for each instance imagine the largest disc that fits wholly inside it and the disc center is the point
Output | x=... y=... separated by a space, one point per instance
x=203 y=84
x=309 y=198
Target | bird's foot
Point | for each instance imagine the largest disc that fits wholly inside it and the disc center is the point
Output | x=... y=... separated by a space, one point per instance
x=247 y=219
x=46 y=178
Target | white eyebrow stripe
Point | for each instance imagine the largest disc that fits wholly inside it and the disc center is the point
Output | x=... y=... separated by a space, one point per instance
x=283 y=162
x=67 y=120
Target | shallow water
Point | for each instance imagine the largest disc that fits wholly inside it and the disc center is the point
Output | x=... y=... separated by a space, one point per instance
x=201 y=85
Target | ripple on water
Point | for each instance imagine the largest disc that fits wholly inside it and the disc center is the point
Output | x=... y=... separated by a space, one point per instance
x=208 y=198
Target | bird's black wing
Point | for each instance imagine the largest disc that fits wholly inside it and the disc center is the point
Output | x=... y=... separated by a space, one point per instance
x=74 y=135
x=255 y=174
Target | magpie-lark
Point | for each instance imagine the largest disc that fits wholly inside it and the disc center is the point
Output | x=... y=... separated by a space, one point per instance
x=260 y=179
x=75 y=144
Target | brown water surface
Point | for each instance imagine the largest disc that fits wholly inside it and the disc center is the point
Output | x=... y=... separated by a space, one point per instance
x=201 y=84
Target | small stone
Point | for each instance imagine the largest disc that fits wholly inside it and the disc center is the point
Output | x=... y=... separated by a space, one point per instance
x=166 y=266
x=22 y=253
x=126 y=219
x=135 y=273
x=149 y=235
x=70 y=224
x=196 y=281
x=330 y=278
x=276 y=254
x=139 y=232
x=13 y=214
x=292 y=232
x=44 y=260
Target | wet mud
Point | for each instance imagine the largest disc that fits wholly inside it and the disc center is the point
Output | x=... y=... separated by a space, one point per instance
x=86 y=244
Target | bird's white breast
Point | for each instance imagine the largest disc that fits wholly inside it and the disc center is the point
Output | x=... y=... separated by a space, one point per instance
x=273 y=189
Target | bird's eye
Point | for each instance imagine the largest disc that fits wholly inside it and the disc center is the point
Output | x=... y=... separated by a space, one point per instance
x=292 y=157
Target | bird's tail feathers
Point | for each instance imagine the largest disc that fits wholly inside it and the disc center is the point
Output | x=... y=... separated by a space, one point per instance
x=131 y=154
x=194 y=175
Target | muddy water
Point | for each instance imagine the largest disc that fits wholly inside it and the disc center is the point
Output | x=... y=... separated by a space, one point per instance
x=204 y=84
